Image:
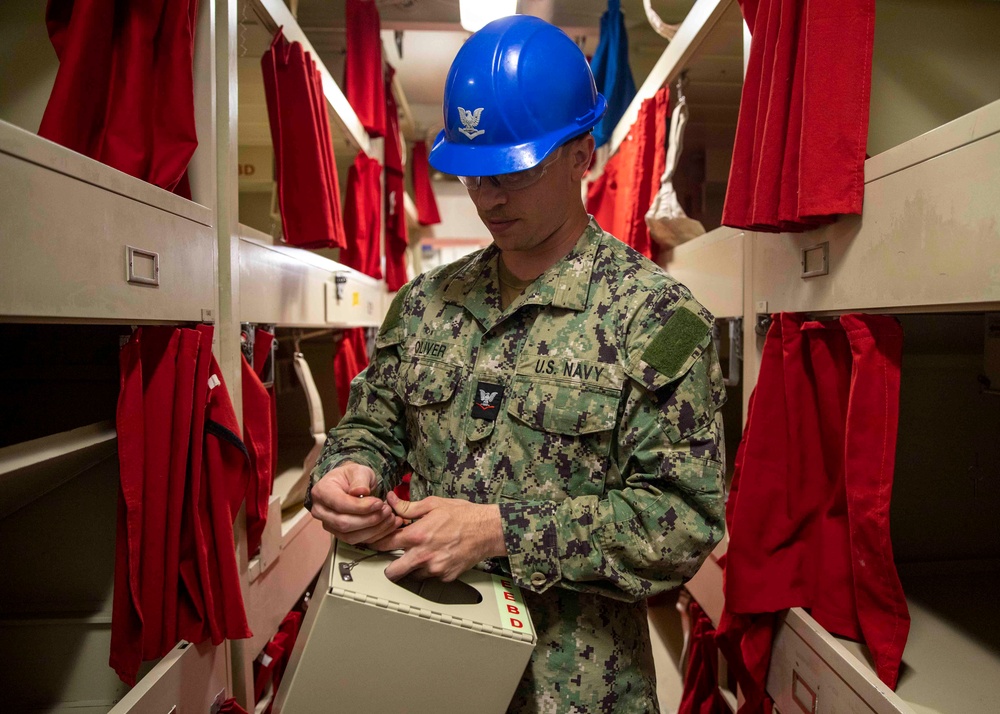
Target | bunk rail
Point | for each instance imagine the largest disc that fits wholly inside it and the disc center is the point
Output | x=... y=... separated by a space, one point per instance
x=698 y=24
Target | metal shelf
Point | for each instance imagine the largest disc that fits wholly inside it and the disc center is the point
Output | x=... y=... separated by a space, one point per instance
x=292 y=287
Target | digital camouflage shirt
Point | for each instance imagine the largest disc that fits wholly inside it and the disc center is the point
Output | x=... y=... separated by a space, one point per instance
x=589 y=410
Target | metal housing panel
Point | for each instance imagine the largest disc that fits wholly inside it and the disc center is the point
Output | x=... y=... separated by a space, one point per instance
x=276 y=591
x=191 y=678
x=292 y=287
x=711 y=266
x=69 y=261
x=929 y=239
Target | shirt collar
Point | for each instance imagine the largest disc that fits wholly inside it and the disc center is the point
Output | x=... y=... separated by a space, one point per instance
x=566 y=284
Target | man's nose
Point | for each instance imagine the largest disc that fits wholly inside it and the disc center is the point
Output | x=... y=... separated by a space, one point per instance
x=489 y=195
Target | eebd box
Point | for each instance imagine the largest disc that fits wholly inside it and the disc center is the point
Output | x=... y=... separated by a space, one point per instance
x=371 y=645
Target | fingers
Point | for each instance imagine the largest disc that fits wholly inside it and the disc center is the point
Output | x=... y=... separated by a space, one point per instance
x=399 y=539
x=357 y=528
x=374 y=534
x=360 y=480
x=402 y=566
x=411 y=509
x=332 y=493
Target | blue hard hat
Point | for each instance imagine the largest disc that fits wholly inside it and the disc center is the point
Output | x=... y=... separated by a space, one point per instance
x=518 y=89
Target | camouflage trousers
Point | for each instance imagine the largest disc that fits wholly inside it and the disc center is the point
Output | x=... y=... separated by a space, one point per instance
x=593 y=657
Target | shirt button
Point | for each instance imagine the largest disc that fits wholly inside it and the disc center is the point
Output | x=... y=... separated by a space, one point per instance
x=538 y=579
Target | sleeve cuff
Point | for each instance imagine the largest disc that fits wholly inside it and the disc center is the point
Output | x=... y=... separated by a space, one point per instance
x=532 y=539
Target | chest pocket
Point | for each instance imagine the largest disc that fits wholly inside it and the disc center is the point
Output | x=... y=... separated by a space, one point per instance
x=560 y=439
x=428 y=390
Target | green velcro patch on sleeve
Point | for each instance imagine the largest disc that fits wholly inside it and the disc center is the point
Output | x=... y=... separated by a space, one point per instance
x=674 y=343
x=395 y=309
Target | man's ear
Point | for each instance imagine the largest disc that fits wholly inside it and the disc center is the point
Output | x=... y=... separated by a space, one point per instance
x=582 y=153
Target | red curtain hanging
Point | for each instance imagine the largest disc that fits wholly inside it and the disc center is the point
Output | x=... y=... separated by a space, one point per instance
x=363 y=217
x=364 y=84
x=423 y=190
x=396 y=235
x=808 y=512
x=305 y=169
x=350 y=359
x=257 y=422
x=701 y=678
x=620 y=197
x=269 y=669
x=183 y=472
x=124 y=92
x=798 y=158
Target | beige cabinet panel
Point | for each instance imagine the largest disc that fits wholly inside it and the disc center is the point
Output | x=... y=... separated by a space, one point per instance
x=951 y=660
x=812 y=672
x=66 y=223
x=929 y=237
x=59 y=662
x=189 y=679
x=711 y=266
x=293 y=287
x=800 y=680
x=360 y=301
x=278 y=588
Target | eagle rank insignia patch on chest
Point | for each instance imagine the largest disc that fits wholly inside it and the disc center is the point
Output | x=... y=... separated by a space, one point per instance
x=486 y=404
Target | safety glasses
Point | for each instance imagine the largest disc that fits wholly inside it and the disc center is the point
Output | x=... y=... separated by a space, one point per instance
x=513 y=181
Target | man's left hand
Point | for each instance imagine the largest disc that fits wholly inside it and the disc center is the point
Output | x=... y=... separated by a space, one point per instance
x=447 y=536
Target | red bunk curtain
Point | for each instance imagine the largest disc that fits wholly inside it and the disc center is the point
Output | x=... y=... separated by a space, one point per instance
x=423 y=191
x=364 y=84
x=396 y=235
x=363 y=217
x=124 y=92
x=621 y=195
x=798 y=158
x=808 y=512
x=305 y=169
x=184 y=472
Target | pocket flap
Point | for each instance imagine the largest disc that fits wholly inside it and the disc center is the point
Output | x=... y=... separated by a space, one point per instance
x=562 y=409
x=423 y=383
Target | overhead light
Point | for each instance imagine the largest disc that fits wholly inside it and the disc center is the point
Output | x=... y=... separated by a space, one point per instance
x=476 y=14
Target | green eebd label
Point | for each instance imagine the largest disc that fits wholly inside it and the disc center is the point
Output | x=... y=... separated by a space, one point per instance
x=513 y=613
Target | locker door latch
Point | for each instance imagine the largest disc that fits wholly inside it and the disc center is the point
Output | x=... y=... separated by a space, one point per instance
x=340 y=280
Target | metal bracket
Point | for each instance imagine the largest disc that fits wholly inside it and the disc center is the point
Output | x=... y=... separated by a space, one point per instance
x=340 y=280
x=142 y=266
x=217 y=702
x=735 y=352
x=268 y=377
x=803 y=694
x=735 y=349
x=247 y=334
x=763 y=324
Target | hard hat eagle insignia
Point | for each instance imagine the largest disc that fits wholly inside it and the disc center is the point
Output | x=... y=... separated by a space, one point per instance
x=470 y=121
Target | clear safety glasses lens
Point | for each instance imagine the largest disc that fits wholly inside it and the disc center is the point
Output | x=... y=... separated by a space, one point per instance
x=513 y=181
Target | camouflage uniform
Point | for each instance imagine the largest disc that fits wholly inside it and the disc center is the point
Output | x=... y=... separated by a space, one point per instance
x=588 y=409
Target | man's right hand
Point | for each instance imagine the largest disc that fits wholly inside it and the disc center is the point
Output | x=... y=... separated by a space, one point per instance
x=342 y=500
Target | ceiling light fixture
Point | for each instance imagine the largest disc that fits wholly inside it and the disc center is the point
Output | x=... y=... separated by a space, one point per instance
x=475 y=14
